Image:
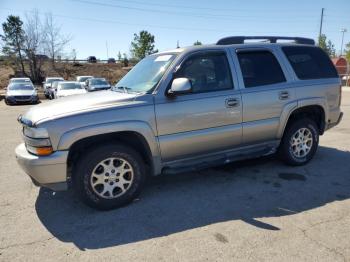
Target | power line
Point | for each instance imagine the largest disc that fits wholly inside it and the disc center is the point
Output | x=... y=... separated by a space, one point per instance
x=237 y=18
x=194 y=7
x=156 y=26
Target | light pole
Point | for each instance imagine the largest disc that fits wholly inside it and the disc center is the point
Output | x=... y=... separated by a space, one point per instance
x=343 y=30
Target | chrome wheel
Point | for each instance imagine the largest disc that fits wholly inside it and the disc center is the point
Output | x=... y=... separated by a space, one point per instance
x=112 y=177
x=301 y=142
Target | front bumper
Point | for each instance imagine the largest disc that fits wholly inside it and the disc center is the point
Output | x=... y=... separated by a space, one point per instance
x=47 y=171
x=19 y=100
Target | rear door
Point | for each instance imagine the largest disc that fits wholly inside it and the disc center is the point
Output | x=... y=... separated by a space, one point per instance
x=265 y=89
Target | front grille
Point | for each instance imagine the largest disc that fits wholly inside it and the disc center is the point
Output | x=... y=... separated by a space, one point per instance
x=23 y=97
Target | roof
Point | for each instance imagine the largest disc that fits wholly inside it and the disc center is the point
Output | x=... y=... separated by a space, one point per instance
x=239 y=41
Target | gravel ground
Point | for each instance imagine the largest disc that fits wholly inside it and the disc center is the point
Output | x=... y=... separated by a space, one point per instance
x=257 y=210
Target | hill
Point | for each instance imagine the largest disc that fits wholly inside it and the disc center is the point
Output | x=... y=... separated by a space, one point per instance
x=68 y=70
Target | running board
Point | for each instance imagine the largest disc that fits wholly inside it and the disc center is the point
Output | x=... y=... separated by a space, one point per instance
x=215 y=160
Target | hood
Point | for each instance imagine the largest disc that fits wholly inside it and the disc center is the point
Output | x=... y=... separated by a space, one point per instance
x=71 y=92
x=77 y=104
x=20 y=92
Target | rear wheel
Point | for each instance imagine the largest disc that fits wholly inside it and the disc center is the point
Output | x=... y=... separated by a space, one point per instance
x=300 y=142
x=109 y=176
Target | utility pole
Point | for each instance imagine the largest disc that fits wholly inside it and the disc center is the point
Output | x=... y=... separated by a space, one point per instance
x=343 y=30
x=319 y=35
x=107 y=50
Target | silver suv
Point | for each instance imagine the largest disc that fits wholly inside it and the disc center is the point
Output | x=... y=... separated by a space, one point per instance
x=182 y=110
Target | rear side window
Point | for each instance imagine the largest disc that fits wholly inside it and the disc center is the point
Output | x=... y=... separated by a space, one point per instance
x=260 y=68
x=310 y=62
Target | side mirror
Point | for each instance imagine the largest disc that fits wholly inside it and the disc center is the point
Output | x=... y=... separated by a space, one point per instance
x=180 y=86
x=44 y=82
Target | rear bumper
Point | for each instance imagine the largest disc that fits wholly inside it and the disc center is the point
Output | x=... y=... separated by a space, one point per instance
x=330 y=125
x=48 y=171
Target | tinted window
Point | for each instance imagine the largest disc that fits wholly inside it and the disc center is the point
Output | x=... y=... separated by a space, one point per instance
x=207 y=72
x=68 y=86
x=98 y=82
x=21 y=87
x=310 y=62
x=260 y=68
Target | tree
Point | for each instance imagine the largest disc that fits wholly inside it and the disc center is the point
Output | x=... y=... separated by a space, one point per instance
x=125 y=60
x=142 y=45
x=54 y=40
x=34 y=44
x=347 y=52
x=13 y=39
x=327 y=46
x=119 y=56
x=197 y=43
x=73 y=55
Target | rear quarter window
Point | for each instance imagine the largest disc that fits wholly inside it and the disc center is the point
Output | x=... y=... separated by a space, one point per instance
x=310 y=62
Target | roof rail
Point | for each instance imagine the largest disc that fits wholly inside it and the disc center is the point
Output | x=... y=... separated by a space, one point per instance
x=272 y=39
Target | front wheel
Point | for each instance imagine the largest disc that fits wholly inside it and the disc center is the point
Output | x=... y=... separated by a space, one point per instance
x=299 y=142
x=109 y=176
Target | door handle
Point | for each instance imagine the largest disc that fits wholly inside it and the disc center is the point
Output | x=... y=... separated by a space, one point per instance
x=283 y=95
x=232 y=102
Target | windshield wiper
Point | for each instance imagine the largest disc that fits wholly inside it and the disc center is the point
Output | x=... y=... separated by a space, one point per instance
x=124 y=88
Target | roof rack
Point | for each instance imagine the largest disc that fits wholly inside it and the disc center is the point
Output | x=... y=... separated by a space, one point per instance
x=272 y=39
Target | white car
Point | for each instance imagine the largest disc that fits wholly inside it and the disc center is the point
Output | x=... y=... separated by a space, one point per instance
x=47 y=84
x=21 y=92
x=68 y=88
x=25 y=80
x=82 y=79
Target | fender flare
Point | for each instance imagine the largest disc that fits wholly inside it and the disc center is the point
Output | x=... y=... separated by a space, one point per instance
x=294 y=105
x=72 y=136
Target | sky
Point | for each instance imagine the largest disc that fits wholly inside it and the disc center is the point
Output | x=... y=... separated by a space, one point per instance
x=104 y=27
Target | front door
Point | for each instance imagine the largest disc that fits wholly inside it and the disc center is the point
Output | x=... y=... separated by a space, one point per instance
x=206 y=120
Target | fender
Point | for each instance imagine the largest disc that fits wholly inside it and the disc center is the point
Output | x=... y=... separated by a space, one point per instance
x=294 y=105
x=72 y=136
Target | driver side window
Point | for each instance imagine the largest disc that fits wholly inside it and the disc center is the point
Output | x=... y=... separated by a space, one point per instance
x=207 y=72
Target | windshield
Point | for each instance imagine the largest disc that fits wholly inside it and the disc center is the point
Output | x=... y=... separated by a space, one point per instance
x=55 y=83
x=98 y=82
x=21 y=87
x=53 y=80
x=83 y=78
x=69 y=86
x=19 y=80
x=146 y=74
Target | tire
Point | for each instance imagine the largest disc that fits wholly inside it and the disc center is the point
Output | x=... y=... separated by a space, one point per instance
x=298 y=149
x=97 y=172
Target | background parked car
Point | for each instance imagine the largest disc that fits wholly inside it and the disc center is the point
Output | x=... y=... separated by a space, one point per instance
x=92 y=59
x=17 y=93
x=53 y=88
x=47 y=84
x=82 y=79
x=68 y=88
x=111 y=61
x=96 y=84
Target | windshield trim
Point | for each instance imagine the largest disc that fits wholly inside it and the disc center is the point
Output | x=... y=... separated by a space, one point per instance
x=155 y=86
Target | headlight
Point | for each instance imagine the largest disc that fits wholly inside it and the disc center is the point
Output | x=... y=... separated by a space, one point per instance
x=35 y=132
x=37 y=141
